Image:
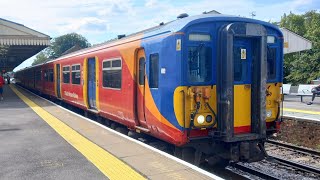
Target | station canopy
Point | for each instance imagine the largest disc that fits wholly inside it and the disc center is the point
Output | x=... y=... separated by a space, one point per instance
x=18 y=43
x=294 y=42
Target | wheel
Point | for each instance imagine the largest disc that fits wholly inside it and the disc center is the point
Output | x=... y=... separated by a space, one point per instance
x=178 y=152
x=122 y=130
x=114 y=125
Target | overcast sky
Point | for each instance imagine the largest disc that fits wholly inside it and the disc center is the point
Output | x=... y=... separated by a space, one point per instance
x=100 y=20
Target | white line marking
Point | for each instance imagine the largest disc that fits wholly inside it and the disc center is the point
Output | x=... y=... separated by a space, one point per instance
x=136 y=141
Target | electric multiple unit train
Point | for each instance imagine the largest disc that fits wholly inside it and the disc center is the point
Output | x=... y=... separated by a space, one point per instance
x=207 y=84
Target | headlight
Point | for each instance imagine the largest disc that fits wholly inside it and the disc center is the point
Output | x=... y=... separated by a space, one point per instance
x=269 y=113
x=200 y=119
x=209 y=118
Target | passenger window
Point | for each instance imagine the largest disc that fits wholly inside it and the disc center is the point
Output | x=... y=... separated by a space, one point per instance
x=271 y=60
x=76 y=74
x=112 y=73
x=50 y=75
x=154 y=71
x=38 y=75
x=141 y=70
x=66 y=74
x=45 y=75
x=106 y=64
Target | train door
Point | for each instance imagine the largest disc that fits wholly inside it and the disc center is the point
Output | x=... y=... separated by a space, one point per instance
x=58 y=80
x=241 y=82
x=140 y=91
x=242 y=60
x=92 y=83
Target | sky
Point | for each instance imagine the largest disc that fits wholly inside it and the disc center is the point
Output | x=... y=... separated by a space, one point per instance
x=101 y=20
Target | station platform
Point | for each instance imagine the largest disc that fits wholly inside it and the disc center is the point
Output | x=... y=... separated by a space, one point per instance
x=292 y=107
x=40 y=140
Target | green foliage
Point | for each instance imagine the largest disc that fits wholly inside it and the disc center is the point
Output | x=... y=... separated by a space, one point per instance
x=61 y=44
x=65 y=42
x=304 y=66
x=40 y=58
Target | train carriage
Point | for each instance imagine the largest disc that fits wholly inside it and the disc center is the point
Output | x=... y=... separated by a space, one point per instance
x=208 y=84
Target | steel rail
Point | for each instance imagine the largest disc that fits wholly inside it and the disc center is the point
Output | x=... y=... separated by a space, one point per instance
x=254 y=172
x=293 y=147
x=297 y=165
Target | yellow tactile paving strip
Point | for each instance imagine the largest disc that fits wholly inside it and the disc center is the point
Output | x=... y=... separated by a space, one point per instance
x=301 y=111
x=108 y=164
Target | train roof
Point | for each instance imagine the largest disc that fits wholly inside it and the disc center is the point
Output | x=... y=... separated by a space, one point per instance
x=170 y=27
x=180 y=24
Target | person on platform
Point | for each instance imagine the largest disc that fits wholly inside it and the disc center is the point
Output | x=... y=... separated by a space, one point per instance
x=315 y=91
x=8 y=79
x=1 y=87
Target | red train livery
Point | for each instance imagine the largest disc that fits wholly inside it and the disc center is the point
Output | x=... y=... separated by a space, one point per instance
x=198 y=83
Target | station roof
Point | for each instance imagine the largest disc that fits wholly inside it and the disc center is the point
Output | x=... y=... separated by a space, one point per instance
x=18 y=43
x=294 y=42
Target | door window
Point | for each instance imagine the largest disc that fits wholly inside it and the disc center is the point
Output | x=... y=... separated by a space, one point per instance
x=154 y=71
x=240 y=64
x=141 y=70
x=242 y=57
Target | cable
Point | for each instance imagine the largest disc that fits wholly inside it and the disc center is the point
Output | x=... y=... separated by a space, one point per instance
x=214 y=114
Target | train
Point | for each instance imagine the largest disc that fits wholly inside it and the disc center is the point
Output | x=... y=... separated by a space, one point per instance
x=209 y=85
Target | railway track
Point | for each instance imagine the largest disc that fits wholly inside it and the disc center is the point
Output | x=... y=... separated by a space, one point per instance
x=273 y=168
x=293 y=153
x=278 y=167
x=296 y=148
x=297 y=165
x=253 y=172
x=300 y=158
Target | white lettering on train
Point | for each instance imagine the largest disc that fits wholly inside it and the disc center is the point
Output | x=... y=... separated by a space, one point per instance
x=73 y=95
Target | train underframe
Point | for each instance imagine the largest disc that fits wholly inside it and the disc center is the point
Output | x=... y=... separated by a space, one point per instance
x=214 y=151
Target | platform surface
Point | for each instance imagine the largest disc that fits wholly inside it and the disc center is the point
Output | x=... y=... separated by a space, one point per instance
x=31 y=149
x=294 y=108
x=49 y=142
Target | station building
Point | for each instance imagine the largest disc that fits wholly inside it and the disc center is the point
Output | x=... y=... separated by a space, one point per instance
x=18 y=43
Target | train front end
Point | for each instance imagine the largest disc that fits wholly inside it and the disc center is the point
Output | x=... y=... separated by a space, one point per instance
x=222 y=102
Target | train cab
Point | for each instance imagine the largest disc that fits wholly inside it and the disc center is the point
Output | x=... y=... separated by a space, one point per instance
x=230 y=85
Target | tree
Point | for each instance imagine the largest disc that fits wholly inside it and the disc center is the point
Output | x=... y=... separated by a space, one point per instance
x=304 y=66
x=61 y=44
x=40 y=58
